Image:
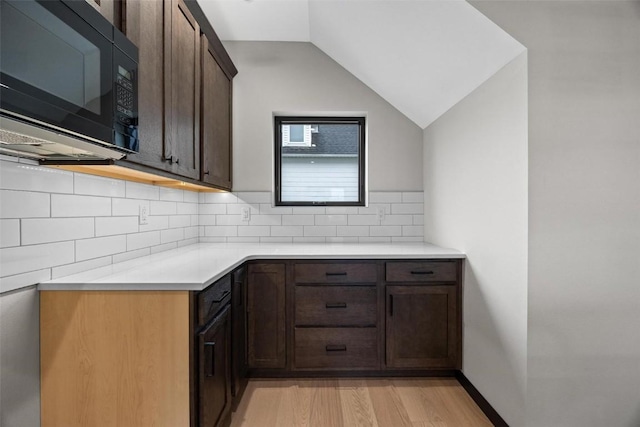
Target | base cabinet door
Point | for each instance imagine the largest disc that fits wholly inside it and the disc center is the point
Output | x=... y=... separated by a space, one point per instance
x=266 y=316
x=239 y=377
x=214 y=383
x=422 y=327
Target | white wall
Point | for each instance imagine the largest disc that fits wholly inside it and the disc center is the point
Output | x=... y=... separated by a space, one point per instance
x=297 y=78
x=584 y=208
x=475 y=166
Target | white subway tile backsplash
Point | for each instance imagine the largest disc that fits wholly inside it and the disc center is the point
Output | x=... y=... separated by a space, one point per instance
x=385 y=230
x=363 y=220
x=18 y=281
x=397 y=220
x=63 y=205
x=187 y=208
x=8 y=158
x=79 y=267
x=407 y=208
x=100 y=246
x=208 y=220
x=244 y=239
x=276 y=239
x=265 y=220
x=308 y=210
x=136 y=190
x=28 y=177
x=319 y=230
x=47 y=230
x=110 y=226
x=212 y=209
x=191 y=197
x=98 y=225
x=225 y=198
x=176 y=221
x=171 y=235
x=298 y=220
x=9 y=233
x=220 y=230
x=171 y=194
x=142 y=240
x=24 y=204
x=98 y=186
x=162 y=208
x=163 y=247
x=331 y=220
x=353 y=230
x=251 y=231
x=267 y=209
x=127 y=207
x=160 y=222
x=23 y=259
x=413 y=197
x=413 y=230
x=287 y=230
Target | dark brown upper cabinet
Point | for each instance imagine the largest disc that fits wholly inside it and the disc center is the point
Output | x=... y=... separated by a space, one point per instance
x=215 y=120
x=184 y=91
x=110 y=9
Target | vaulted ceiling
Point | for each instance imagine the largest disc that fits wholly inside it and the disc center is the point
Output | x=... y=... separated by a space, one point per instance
x=422 y=56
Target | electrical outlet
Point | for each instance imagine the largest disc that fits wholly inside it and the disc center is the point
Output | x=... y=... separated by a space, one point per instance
x=143 y=219
x=380 y=212
x=245 y=214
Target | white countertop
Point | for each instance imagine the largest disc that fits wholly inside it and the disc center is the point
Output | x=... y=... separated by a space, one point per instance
x=195 y=267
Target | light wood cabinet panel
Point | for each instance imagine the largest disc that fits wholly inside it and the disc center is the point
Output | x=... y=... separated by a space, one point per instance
x=114 y=358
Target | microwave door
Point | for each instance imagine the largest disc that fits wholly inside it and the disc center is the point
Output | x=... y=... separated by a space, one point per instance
x=55 y=67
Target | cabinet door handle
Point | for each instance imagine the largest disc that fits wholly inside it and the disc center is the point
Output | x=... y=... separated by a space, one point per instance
x=422 y=272
x=209 y=359
x=336 y=347
x=336 y=305
x=336 y=274
x=206 y=173
x=390 y=305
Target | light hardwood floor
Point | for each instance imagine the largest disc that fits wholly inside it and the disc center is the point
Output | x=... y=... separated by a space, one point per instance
x=407 y=402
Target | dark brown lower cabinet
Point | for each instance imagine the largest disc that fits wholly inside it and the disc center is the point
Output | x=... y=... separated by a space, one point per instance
x=266 y=328
x=422 y=326
x=214 y=382
x=239 y=377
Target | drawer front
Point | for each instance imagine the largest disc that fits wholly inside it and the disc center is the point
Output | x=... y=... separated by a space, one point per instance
x=335 y=273
x=336 y=348
x=213 y=298
x=421 y=271
x=336 y=305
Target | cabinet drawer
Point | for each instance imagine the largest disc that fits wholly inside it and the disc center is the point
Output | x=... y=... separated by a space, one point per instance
x=336 y=348
x=421 y=271
x=335 y=273
x=336 y=305
x=214 y=297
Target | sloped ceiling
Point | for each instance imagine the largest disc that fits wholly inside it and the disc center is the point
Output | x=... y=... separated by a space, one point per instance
x=422 y=56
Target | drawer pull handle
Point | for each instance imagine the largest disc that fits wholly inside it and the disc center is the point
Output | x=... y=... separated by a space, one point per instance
x=344 y=273
x=209 y=360
x=339 y=347
x=336 y=305
x=422 y=272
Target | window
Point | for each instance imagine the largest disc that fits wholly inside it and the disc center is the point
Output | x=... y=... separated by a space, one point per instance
x=319 y=161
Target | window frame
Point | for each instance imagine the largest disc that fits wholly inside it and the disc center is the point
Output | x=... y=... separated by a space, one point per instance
x=319 y=120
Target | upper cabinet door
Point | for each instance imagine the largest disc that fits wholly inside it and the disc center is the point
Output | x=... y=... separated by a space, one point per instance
x=144 y=24
x=183 y=127
x=215 y=120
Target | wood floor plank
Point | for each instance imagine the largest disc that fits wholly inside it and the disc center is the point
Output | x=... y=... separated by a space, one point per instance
x=357 y=409
x=395 y=402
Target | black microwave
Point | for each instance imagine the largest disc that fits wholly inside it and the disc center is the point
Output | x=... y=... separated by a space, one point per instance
x=65 y=68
